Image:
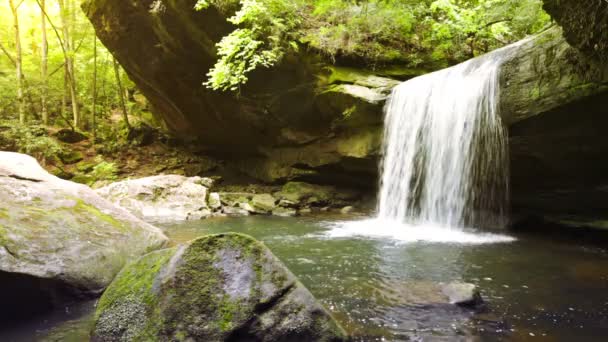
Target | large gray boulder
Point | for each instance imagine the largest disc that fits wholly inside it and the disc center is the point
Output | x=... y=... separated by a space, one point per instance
x=57 y=230
x=225 y=287
x=161 y=198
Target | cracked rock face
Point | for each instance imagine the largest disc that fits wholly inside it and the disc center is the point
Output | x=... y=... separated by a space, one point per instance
x=62 y=231
x=225 y=287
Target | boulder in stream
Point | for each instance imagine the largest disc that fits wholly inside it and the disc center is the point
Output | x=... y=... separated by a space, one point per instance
x=56 y=231
x=226 y=287
x=162 y=198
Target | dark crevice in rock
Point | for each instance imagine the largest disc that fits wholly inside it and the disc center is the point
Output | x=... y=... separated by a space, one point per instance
x=25 y=297
x=11 y=253
x=244 y=332
x=263 y=307
x=23 y=178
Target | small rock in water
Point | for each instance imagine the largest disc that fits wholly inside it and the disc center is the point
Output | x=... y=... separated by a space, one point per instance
x=463 y=294
x=305 y=211
x=284 y=212
x=232 y=211
x=347 y=210
x=263 y=203
x=247 y=206
x=215 y=201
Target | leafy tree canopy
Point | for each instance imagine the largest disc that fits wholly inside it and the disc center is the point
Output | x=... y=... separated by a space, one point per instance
x=374 y=32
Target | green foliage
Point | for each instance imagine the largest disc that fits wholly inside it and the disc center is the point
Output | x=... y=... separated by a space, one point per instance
x=412 y=32
x=261 y=40
x=32 y=140
x=104 y=171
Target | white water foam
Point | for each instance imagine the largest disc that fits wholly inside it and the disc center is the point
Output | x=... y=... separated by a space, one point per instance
x=405 y=233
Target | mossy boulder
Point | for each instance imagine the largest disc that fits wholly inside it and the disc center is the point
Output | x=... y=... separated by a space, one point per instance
x=226 y=287
x=70 y=136
x=263 y=203
x=69 y=157
x=62 y=231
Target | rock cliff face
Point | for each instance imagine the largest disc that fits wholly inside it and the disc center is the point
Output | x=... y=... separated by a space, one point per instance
x=585 y=24
x=299 y=119
x=310 y=120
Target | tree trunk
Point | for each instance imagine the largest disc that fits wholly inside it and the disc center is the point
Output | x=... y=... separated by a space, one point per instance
x=121 y=94
x=18 y=61
x=94 y=114
x=69 y=63
x=44 y=64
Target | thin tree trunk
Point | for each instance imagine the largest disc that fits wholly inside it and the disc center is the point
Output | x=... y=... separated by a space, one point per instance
x=44 y=66
x=94 y=88
x=18 y=61
x=69 y=63
x=121 y=94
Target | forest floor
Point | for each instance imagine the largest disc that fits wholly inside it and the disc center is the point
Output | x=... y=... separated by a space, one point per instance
x=143 y=152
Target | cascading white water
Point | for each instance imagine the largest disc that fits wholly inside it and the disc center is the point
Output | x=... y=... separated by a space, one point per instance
x=445 y=149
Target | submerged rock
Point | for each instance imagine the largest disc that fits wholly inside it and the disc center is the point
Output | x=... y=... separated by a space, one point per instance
x=162 y=198
x=63 y=231
x=225 y=287
x=430 y=293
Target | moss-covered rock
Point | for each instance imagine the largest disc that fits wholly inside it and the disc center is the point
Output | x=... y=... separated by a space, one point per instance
x=63 y=231
x=263 y=203
x=225 y=287
x=543 y=73
x=69 y=157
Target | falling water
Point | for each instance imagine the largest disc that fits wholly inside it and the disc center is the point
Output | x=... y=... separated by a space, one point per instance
x=445 y=149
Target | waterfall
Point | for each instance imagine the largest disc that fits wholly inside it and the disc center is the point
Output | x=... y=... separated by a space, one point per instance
x=445 y=156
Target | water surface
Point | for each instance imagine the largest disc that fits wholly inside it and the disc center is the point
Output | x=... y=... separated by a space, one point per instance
x=383 y=287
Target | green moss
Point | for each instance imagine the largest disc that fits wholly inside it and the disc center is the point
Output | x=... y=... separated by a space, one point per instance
x=85 y=208
x=136 y=280
x=535 y=94
x=3 y=236
x=133 y=290
x=4 y=213
x=198 y=274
